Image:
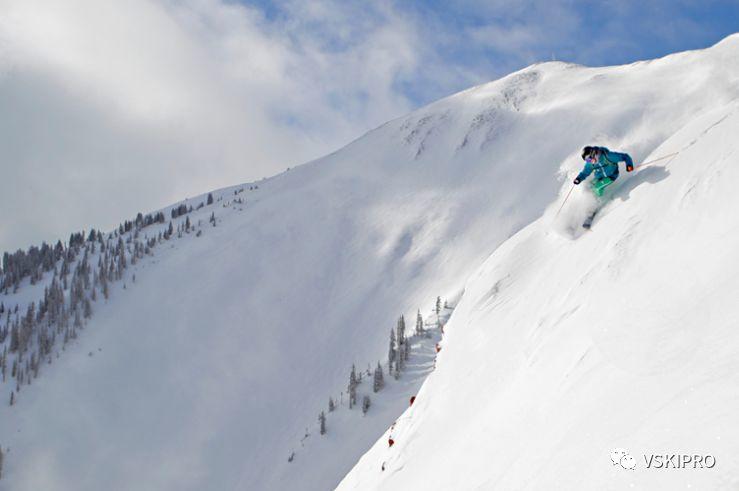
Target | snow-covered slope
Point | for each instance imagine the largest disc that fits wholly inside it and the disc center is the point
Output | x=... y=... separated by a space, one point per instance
x=208 y=370
x=563 y=349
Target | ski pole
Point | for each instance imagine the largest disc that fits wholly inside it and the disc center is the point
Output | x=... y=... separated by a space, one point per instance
x=656 y=160
x=565 y=201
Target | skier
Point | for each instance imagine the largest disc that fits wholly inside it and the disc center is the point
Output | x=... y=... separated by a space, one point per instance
x=605 y=164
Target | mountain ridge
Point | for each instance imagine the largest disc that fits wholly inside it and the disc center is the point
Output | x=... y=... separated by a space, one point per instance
x=239 y=336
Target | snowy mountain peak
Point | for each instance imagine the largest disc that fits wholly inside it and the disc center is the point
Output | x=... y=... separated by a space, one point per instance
x=730 y=40
x=565 y=343
x=562 y=350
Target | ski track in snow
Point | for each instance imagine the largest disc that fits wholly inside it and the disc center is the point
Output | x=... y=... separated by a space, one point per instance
x=644 y=356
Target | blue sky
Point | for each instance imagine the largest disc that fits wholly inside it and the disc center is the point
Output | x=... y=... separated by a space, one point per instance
x=478 y=41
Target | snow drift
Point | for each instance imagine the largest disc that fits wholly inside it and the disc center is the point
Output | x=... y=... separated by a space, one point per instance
x=562 y=350
x=564 y=345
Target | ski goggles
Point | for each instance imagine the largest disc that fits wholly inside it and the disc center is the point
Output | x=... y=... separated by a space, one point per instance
x=591 y=159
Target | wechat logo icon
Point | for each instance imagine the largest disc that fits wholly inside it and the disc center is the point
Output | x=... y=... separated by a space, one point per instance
x=621 y=456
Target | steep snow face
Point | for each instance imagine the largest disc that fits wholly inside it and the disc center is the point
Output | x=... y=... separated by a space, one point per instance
x=564 y=349
x=208 y=370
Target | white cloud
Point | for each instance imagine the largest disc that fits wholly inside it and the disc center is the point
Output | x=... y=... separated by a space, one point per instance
x=110 y=107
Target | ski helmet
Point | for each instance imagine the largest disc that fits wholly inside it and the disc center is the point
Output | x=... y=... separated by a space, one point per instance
x=590 y=152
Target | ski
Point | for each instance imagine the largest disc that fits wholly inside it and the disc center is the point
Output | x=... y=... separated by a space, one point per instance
x=589 y=220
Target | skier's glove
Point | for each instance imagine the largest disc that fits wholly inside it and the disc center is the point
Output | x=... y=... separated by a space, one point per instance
x=576 y=181
x=629 y=168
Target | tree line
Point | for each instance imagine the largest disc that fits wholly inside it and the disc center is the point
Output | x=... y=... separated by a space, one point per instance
x=398 y=354
x=82 y=271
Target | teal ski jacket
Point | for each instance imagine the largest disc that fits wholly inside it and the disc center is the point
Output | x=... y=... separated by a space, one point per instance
x=606 y=166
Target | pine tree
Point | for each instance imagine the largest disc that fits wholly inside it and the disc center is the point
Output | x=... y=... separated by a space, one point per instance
x=401 y=326
x=121 y=256
x=419 y=324
x=391 y=352
x=365 y=404
x=14 y=339
x=438 y=305
x=400 y=336
x=210 y=198
x=331 y=404
x=322 y=422
x=352 y=387
x=35 y=364
x=379 y=381
x=88 y=308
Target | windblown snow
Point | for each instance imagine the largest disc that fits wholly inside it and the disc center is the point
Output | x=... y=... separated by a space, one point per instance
x=564 y=345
